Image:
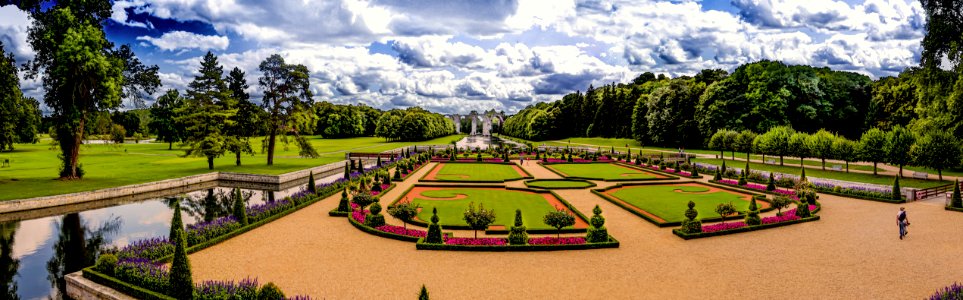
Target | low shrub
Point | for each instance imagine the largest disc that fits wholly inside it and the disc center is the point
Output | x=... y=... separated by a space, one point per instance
x=597 y=233
x=375 y=218
x=477 y=241
x=952 y=292
x=691 y=224
x=270 y=291
x=802 y=210
x=434 y=230
x=559 y=241
x=215 y=290
x=518 y=234
x=201 y=232
x=106 y=264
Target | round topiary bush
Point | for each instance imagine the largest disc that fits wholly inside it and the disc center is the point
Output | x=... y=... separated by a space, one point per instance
x=802 y=210
x=375 y=219
x=691 y=224
x=106 y=264
x=597 y=233
x=270 y=291
x=518 y=234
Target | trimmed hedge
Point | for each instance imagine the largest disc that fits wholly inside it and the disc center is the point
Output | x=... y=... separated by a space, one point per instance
x=857 y=196
x=123 y=287
x=440 y=164
x=671 y=177
x=335 y=213
x=612 y=243
x=591 y=184
x=661 y=172
x=632 y=209
x=687 y=236
x=957 y=209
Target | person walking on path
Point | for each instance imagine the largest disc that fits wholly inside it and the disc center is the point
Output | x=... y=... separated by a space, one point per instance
x=902 y=221
x=521 y=158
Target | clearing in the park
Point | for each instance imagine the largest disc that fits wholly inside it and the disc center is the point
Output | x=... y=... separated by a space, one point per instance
x=601 y=171
x=667 y=202
x=475 y=172
x=452 y=202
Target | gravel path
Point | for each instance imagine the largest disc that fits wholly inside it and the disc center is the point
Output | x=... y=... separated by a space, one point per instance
x=853 y=252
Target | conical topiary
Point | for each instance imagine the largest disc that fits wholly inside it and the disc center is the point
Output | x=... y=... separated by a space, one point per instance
x=180 y=280
x=956 y=200
x=518 y=234
x=424 y=293
x=347 y=172
x=312 y=187
x=343 y=205
x=771 y=186
x=802 y=210
x=379 y=160
x=434 y=230
x=691 y=224
x=897 y=195
x=375 y=218
x=240 y=212
x=723 y=168
x=176 y=222
x=742 y=178
x=597 y=233
x=695 y=171
x=718 y=175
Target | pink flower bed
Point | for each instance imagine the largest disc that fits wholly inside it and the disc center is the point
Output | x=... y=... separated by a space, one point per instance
x=557 y=241
x=759 y=187
x=576 y=160
x=722 y=226
x=402 y=231
x=793 y=211
x=782 y=218
x=359 y=215
x=477 y=241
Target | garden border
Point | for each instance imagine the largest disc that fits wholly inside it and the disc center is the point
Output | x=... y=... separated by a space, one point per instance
x=335 y=213
x=950 y=208
x=439 y=165
x=591 y=184
x=498 y=231
x=658 y=171
x=687 y=236
x=611 y=243
x=602 y=193
x=547 y=166
x=121 y=286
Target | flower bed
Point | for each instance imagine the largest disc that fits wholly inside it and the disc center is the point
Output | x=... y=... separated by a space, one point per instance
x=722 y=226
x=557 y=241
x=402 y=231
x=759 y=187
x=152 y=248
x=575 y=160
x=858 y=191
x=201 y=232
x=951 y=292
x=476 y=241
x=789 y=217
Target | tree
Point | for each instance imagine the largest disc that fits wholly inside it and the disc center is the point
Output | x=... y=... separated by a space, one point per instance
x=780 y=202
x=821 y=145
x=239 y=211
x=798 y=143
x=478 y=219
x=872 y=146
x=956 y=200
x=744 y=142
x=362 y=200
x=19 y=115
x=776 y=141
x=897 y=194
x=725 y=209
x=845 y=150
x=558 y=219
x=423 y=295
x=246 y=122
x=434 y=230
x=899 y=142
x=518 y=234
x=207 y=112
x=722 y=141
x=163 y=118
x=938 y=150
x=944 y=33
x=287 y=96
x=404 y=211
x=181 y=282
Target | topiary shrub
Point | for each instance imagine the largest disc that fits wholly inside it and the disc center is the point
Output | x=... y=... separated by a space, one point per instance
x=518 y=234
x=478 y=158
x=752 y=216
x=106 y=264
x=723 y=168
x=434 y=230
x=771 y=186
x=597 y=233
x=375 y=218
x=718 y=175
x=662 y=166
x=896 y=190
x=181 y=282
x=362 y=200
x=176 y=222
x=695 y=171
x=742 y=178
x=239 y=209
x=424 y=293
x=691 y=224
x=312 y=187
x=270 y=291
x=802 y=210
x=347 y=172
x=343 y=204
x=570 y=157
x=956 y=200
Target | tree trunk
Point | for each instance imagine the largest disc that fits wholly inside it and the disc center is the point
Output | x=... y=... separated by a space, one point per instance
x=272 y=141
x=847 y=166
x=824 y=164
x=72 y=151
x=780 y=160
x=237 y=157
x=940 y=172
x=210 y=163
x=732 y=154
x=900 y=170
x=170 y=145
x=874 y=168
x=476 y=233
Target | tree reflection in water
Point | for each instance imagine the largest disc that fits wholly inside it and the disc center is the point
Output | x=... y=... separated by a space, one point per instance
x=8 y=265
x=77 y=247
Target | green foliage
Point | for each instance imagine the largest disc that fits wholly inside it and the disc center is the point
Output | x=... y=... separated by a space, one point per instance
x=753 y=205
x=558 y=219
x=270 y=291
x=404 y=211
x=776 y=142
x=412 y=124
x=347 y=171
x=181 y=282
x=725 y=209
x=779 y=203
x=106 y=264
x=771 y=185
x=287 y=99
x=938 y=150
x=955 y=200
x=343 y=205
x=478 y=219
x=899 y=143
x=207 y=112
x=802 y=210
x=690 y=224
x=718 y=175
x=742 y=178
x=239 y=207
x=518 y=234
x=597 y=233
x=19 y=115
x=362 y=200
x=752 y=218
x=423 y=295
x=434 y=230
x=872 y=147
x=176 y=222
x=312 y=187
x=897 y=195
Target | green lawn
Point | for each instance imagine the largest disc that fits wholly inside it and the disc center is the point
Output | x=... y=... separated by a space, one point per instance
x=34 y=167
x=601 y=171
x=838 y=175
x=504 y=202
x=669 y=204
x=554 y=184
x=476 y=172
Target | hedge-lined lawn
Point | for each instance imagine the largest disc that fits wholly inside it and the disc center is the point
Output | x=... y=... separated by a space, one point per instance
x=838 y=175
x=669 y=201
x=554 y=184
x=34 y=167
x=451 y=211
x=601 y=171
x=483 y=172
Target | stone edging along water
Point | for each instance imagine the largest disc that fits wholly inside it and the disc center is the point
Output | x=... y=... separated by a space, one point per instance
x=253 y=181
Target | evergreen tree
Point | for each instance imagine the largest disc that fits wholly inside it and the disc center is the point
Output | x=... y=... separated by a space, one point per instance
x=897 y=195
x=956 y=200
x=181 y=282
x=312 y=187
x=771 y=186
x=347 y=171
x=176 y=222
x=207 y=112
x=424 y=293
x=597 y=233
x=239 y=208
x=434 y=230
x=163 y=118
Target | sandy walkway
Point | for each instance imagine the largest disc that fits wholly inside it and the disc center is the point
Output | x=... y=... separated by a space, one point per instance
x=853 y=252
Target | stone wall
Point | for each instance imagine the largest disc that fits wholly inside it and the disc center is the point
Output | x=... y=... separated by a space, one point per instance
x=80 y=288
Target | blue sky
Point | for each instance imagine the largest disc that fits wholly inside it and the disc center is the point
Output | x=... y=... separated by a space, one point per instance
x=457 y=56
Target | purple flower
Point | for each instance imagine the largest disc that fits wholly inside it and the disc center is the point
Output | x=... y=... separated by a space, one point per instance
x=954 y=291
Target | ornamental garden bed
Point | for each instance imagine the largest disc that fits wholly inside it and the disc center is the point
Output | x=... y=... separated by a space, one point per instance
x=559 y=184
x=477 y=172
x=788 y=218
x=667 y=171
x=663 y=204
x=501 y=245
x=603 y=171
x=451 y=201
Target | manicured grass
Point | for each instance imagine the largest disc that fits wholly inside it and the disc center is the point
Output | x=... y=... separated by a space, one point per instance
x=34 y=167
x=476 y=172
x=554 y=184
x=669 y=201
x=601 y=171
x=504 y=202
x=908 y=171
x=838 y=175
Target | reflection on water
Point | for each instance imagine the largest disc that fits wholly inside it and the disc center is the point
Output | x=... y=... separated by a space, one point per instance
x=36 y=254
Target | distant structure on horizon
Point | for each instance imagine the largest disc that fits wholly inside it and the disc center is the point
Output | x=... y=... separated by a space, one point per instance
x=485 y=118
